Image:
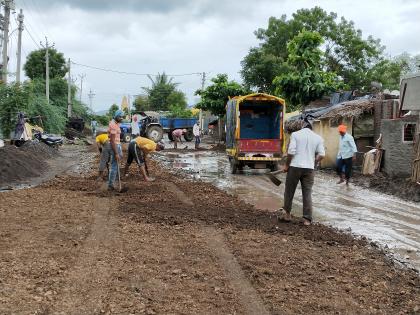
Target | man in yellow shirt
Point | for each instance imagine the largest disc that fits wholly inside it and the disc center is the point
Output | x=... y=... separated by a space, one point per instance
x=104 y=148
x=138 y=149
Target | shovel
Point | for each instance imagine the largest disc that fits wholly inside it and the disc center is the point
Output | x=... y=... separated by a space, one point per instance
x=121 y=188
x=271 y=176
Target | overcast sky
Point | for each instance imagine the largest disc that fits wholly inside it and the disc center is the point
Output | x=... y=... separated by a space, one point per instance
x=184 y=36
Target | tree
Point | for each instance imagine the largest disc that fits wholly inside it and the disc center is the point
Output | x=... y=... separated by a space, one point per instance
x=141 y=103
x=112 y=110
x=163 y=93
x=215 y=96
x=35 y=64
x=305 y=79
x=13 y=99
x=346 y=52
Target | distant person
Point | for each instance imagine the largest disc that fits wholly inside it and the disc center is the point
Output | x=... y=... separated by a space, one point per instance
x=346 y=155
x=135 y=128
x=94 y=125
x=105 y=151
x=138 y=149
x=114 y=133
x=197 y=132
x=306 y=149
x=177 y=135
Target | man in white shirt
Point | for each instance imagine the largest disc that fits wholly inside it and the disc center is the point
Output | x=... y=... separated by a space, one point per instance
x=305 y=149
x=135 y=128
x=196 y=132
x=346 y=155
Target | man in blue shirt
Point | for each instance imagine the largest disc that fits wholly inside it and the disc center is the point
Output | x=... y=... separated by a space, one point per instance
x=346 y=155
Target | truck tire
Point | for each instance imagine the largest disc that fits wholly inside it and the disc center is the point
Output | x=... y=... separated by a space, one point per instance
x=274 y=167
x=126 y=137
x=233 y=166
x=170 y=137
x=155 y=133
x=189 y=135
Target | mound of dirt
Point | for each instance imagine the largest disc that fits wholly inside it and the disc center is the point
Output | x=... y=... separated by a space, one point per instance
x=19 y=164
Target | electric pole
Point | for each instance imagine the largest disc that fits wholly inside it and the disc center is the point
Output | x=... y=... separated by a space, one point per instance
x=81 y=76
x=69 y=109
x=91 y=95
x=19 y=50
x=6 y=22
x=203 y=82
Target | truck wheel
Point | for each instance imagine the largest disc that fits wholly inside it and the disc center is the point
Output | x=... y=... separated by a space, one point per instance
x=189 y=135
x=126 y=137
x=274 y=167
x=233 y=166
x=170 y=137
x=155 y=133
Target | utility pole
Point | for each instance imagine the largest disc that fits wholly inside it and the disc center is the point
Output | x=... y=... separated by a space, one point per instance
x=81 y=76
x=6 y=22
x=69 y=109
x=203 y=82
x=19 y=50
x=91 y=95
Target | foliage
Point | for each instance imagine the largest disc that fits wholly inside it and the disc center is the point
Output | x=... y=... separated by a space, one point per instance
x=163 y=93
x=178 y=111
x=305 y=79
x=141 y=103
x=13 y=99
x=216 y=95
x=112 y=110
x=346 y=52
x=103 y=120
x=53 y=117
x=35 y=64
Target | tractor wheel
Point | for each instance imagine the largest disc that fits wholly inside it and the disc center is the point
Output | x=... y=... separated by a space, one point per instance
x=274 y=167
x=233 y=166
x=189 y=135
x=155 y=133
x=126 y=137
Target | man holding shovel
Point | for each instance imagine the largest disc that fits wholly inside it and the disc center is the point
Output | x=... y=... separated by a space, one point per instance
x=306 y=149
x=114 y=133
x=138 y=149
x=177 y=135
x=104 y=147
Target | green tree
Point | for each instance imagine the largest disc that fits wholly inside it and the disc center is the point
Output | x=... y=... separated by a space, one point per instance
x=35 y=64
x=305 y=79
x=163 y=93
x=347 y=53
x=215 y=96
x=112 y=109
x=141 y=103
x=13 y=99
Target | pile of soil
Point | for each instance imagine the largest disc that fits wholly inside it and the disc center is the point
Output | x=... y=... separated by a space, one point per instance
x=400 y=187
x=20 y=164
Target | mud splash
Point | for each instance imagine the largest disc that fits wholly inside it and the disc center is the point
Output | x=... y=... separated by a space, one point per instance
x=391 y=222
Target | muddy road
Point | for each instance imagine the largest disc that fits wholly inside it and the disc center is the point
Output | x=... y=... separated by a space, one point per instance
x=178 y=246
x=390 y=221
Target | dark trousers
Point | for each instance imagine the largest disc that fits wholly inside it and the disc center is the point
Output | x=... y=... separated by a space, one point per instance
x=135 y=153
x=306 y=178
x=348 y=164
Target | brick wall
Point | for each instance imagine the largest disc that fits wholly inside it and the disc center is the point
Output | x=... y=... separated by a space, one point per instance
x=398 y=155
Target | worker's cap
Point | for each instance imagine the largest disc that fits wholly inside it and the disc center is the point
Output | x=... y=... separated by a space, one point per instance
x=118 y=113
x=342 y=128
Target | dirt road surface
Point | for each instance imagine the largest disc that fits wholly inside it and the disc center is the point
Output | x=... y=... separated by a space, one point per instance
x=180 y=247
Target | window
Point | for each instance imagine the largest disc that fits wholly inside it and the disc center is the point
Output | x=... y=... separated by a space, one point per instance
x=409 y=132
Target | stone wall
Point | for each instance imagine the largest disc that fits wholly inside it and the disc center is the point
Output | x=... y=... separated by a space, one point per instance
x=385 y=109
x=398 y=154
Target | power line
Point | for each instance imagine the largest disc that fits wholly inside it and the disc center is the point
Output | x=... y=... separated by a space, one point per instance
x=133 y=73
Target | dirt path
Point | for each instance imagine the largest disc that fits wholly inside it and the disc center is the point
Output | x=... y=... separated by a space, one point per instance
x=181 y=247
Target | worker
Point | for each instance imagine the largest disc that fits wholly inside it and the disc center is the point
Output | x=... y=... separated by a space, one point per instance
x=93 y=125
x=346 y=155
x=177 y=134
x=114 y=133
x=138 y=149
x=104 y=148
x=196 y=132
x=135 y=127
x=306 y=149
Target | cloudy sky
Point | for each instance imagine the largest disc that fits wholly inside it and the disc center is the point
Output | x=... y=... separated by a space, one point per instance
x=183 y=36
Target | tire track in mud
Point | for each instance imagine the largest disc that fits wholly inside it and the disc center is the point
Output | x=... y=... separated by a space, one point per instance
x=82 y=293
x=215 y=240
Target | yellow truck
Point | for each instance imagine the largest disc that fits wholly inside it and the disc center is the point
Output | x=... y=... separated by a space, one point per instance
x=254 y=131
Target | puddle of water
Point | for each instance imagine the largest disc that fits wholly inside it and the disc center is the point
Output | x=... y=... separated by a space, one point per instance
x=389 y=221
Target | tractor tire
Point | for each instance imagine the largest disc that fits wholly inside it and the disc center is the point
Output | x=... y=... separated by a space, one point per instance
x=189 y=136
x=126 y=137
x=274 y=166
x=233 y=166
x=155 y=133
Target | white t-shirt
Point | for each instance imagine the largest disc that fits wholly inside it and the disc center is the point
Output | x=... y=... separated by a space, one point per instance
x=196 y=130
x=304 y=145
x=135 y=128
